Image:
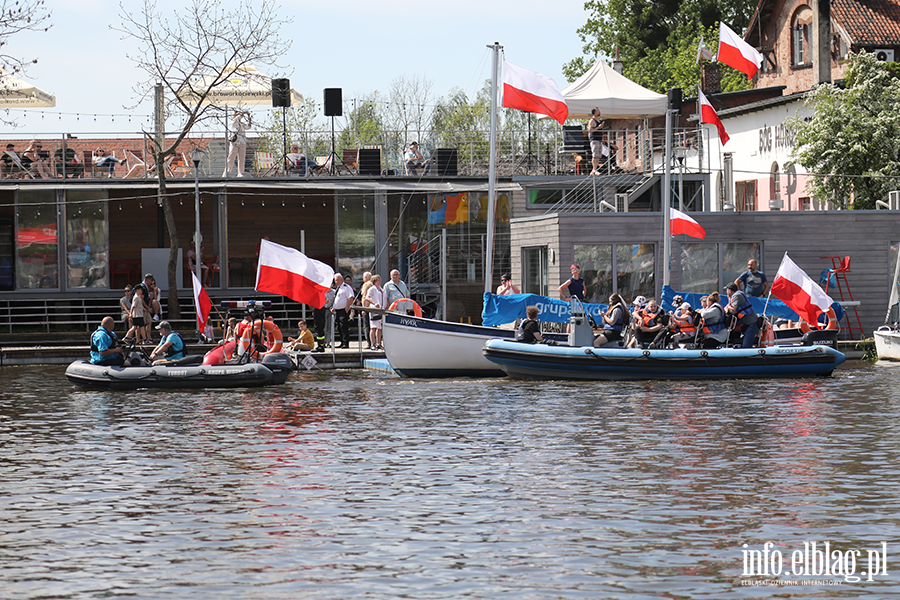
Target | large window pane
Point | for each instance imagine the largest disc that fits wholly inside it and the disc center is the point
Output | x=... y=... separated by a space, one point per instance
x=699 y=268
x=535 y=270
x=37 y=241
x=87 y=250
x=597 y=270
x=734 y=261
x=356 y=236
x=635 y=265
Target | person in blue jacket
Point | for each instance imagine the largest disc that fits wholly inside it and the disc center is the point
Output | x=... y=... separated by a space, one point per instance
x=171 y=345
x=105 y=349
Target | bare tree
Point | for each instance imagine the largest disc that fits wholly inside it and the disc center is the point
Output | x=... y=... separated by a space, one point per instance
x=17 y=16
x=190 y=52
x=409 y=110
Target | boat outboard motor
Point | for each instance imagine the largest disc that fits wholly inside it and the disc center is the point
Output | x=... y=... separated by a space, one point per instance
x=278 y=361
x=822 y=337
x=580 y=333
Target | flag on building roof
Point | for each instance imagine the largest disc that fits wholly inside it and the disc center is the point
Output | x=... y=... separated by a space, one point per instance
x=709 y=115
x=796 y=289
x=681 y=223
x=290 y=273
x=736 y=53
x=201 y=302
x=532 y=92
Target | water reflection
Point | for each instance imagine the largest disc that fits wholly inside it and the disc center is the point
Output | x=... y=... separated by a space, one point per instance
x=355 y=485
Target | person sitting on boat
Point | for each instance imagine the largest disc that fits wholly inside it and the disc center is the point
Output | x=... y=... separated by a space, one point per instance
x=573 y=287
x=506 y=287
x=304 y=342
x=613 y=322
x=649 y=321
x=739 y=306
x=676 y=319
x=171 y=345
x=529 y=329
x=105 y=348
x=686 y=320
x=714 y=332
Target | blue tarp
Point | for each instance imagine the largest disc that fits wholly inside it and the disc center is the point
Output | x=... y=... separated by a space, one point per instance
x=499 y=310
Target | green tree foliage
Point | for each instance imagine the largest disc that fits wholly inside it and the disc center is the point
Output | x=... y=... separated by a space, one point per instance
x=300 y=123
x=658 y=40
x=365 y=124
x=853 y=137
x=457 y=122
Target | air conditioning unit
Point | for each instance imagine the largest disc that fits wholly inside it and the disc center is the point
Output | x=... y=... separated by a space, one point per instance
x=885 y=54
x=622 y=202
x=894 y=200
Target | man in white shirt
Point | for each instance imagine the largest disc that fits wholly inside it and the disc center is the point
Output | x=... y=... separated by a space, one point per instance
x=343 y=300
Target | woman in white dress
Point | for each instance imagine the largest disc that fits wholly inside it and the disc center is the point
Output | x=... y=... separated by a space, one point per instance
x=376 y=298
x=242 y=121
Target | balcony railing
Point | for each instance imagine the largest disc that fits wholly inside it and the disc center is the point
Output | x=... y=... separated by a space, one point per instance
x=548 y=154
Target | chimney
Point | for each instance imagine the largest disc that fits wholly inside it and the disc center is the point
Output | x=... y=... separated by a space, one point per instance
x=710 y=78
x=822 y=40
x=618 y=65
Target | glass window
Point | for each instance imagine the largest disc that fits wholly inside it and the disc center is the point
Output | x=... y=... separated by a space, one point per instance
x=800 y=26
x=37 y=241
x=544 y=196
x=745 y=196
x=356 y=236
x=87 y=250
x=597 y=270
x=535 y=269
x=699 y=268
x=735 y=258
x=635 y=266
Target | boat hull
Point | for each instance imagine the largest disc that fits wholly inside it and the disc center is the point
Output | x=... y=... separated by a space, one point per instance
x=537 y=361
x=887 y=343
x=421 y=347
x=274 y=371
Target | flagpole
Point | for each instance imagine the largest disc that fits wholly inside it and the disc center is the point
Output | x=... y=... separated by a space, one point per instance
x=492 y=171
x=667 y=192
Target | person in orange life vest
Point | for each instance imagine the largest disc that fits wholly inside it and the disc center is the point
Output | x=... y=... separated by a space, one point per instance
x=739 y=306
x=650 y=320
x=676 y=320
x=714 y=332
x=687 y=320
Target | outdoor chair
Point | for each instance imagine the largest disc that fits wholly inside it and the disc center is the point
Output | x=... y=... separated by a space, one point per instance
x=265 y=163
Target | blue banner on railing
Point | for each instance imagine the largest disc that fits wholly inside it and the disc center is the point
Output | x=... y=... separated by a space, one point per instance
x=499 y=310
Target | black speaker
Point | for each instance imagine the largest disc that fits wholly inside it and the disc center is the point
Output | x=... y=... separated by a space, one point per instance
x=369 y=161
x=281 y=92
x=333 y=102
x=674 y=99
x=445 y=161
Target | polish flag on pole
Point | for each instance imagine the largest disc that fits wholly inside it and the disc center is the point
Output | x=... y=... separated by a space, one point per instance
x=709 y=115
x=795 y=288
x=532 y=92
x=290 y=273
x=681 y=223
x=201 y=301
x=736 y=53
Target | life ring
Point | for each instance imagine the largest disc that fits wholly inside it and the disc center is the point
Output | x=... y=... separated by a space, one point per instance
x=832 y=319
x=405 y=305
x=273 y=337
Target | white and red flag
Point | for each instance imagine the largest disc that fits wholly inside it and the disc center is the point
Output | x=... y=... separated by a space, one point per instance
x=736 y=53
x=290 y=273
x=532 y=92
x=795 y=288
x=201 y=301
x=681 y=223
x=709 y=115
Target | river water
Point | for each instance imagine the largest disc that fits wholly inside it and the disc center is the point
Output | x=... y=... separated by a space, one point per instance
x=354 y=484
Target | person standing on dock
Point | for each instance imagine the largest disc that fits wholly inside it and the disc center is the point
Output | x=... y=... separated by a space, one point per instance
x=343 y=299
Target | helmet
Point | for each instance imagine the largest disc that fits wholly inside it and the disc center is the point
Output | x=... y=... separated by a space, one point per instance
x=640 y=301
x=677 y=300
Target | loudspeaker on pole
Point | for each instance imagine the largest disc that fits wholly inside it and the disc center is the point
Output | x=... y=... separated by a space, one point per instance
x=333 y=102
x=281 y=92
x=674 y=99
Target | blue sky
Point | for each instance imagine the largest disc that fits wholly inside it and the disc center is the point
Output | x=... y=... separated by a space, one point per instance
x=357 y=45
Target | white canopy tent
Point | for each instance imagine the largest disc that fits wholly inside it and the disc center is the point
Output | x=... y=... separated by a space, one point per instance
x=15 y=93
x=247 y=86
x=615 y=95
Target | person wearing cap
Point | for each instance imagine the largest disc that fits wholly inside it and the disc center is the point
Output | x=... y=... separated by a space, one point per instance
x=754 y=280
x=573 y=287
x=171 y=345
x=595 y=124
x=415 y=160
x=506 y=287
x=739 y=306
